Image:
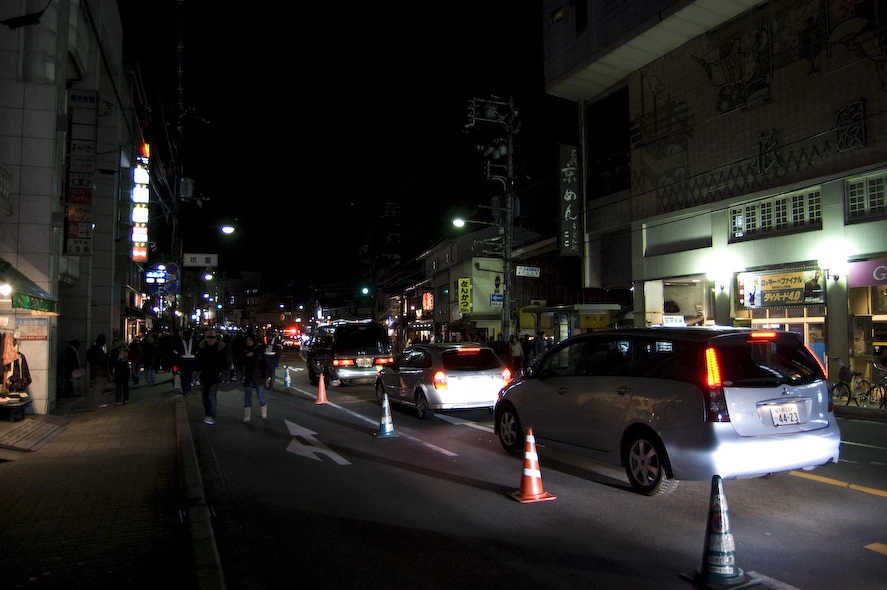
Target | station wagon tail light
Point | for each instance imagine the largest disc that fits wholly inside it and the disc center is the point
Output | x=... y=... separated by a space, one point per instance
x=343 y=362
x=715 y=402
x=384 y=360
x=506 y=376
x=440 y=380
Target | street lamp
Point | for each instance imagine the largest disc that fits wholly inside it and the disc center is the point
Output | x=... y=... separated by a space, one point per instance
x=199 y=260
x=506 y=232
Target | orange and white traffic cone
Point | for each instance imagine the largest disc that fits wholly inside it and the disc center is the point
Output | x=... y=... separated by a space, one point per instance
x=531 y=481
x=719 y=568
x=321 y=390
x=386 y=426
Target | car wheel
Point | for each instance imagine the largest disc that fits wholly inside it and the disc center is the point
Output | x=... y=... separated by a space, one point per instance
x=422 y=410
x=380 y=391
x=511 y=434
x=645 y=467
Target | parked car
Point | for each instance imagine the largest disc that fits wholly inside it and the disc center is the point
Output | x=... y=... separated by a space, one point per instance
x=677 y=403
x=348 y=352
x=444 y=376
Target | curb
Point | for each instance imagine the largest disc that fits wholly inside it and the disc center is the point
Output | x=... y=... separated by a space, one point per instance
x=195 y=511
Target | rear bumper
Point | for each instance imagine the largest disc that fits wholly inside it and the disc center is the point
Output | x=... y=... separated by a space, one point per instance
x=353 y=373
x=699 y=454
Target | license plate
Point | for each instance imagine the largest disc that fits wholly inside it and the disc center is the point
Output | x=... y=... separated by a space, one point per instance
x=785 y=414
x=364 y=363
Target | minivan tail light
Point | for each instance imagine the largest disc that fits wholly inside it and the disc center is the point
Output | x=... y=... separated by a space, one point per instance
x=440 y=380
x=715 y=402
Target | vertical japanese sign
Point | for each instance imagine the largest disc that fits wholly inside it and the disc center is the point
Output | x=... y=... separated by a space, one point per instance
x=80 y=191
x=464 y=295
x=570 y=201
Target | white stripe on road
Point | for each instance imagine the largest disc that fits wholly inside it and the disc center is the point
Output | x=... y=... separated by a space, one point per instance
x=365 y=419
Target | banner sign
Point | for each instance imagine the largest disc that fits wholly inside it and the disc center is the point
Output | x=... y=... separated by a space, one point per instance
x=464 y=295
x=570 y=202
x=802 y=287
x=868 y=273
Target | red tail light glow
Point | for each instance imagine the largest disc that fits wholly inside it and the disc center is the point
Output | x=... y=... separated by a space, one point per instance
x=343 y=362
x=507 y=376
x=715 y=402
x=440 y=380
x=384 y=360
x=469 y=350
x=767 y=334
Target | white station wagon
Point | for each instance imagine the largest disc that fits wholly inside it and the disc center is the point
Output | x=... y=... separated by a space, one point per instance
x=677 y=403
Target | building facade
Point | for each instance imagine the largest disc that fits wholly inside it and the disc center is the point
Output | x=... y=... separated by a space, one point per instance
x=69 y=139
x=734 y=162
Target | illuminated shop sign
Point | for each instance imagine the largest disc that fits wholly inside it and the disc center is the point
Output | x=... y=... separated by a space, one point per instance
x=801 y=287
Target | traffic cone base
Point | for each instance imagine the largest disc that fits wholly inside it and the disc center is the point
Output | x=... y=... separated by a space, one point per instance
x=531 y=480
x=321 y=390
x=719 y=569
x=386 y=426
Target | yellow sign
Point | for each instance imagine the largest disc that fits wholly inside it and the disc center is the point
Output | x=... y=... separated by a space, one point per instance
x=465 y=295
x=594 y=320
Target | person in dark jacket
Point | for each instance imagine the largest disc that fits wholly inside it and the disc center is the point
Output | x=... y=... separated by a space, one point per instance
x=122 y=371
x=210 y=362
x=149 y=359
x=99 y=369
x=255 y=373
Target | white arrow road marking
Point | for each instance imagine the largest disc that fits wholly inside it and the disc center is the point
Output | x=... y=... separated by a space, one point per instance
x=310 y=450
x=463 y=422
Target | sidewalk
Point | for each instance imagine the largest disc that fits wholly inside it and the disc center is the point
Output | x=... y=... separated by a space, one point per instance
x=114 y=500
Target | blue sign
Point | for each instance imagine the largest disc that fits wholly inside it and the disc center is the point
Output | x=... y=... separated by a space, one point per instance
x=496 y=300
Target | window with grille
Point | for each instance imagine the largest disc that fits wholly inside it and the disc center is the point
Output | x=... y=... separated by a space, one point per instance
x=800 y=211
x=865 y=197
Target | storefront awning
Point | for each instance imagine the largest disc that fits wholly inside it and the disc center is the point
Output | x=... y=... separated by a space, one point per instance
x=25 y=293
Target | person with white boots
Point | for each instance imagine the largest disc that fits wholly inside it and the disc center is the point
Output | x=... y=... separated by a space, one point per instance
x=255 y=373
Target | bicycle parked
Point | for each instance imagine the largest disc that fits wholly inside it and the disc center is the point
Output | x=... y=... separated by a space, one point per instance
x=877 y=393
x=851 y=384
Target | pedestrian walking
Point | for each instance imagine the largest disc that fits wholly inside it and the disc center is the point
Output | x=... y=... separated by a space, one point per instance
x=517 y=354
x=135 y=358
x=185 y=350
x=210 y=362
x=255 y=372
x=99 y=369
x=273 y=348
x=122 y=371
x=229 y=359
x=149 y=358
x=237 y=354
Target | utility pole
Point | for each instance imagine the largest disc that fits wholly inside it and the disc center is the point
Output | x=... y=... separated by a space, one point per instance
x=491 y=112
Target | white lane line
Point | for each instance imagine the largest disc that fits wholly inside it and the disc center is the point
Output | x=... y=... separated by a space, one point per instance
x=464 y=422
x=370 y=421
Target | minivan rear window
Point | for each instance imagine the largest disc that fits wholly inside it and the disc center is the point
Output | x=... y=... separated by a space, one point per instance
x=480 y=360
x=767 y=362
x=373 y=336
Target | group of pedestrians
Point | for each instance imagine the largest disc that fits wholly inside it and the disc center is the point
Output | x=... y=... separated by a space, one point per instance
x=520 y=352
x=204 y=360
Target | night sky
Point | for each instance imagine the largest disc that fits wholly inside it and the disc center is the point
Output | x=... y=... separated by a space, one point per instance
x=302 y=122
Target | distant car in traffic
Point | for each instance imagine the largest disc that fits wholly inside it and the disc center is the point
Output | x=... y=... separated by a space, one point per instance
x=444 y=376
x=677 y=403
x=348 y=352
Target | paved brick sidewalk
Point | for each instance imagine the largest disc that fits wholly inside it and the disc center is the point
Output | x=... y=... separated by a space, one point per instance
x=113 y=501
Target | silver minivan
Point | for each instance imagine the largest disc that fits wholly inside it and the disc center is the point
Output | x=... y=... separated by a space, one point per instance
x=677 y=403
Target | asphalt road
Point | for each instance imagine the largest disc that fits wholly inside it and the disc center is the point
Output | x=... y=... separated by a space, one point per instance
x=312 y=497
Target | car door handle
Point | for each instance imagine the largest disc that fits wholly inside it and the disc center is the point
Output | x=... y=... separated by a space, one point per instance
x=562 y=390
x=623 y=389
